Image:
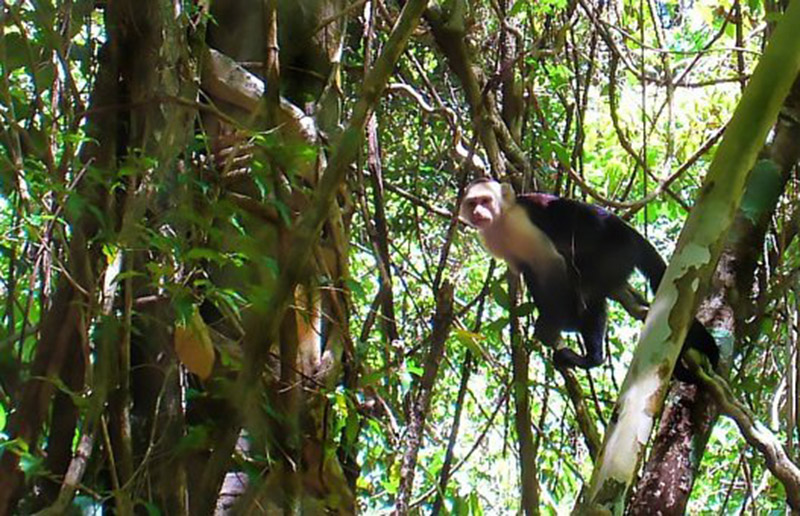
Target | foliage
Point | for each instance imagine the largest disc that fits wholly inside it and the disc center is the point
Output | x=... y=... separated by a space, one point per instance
x=612 y=100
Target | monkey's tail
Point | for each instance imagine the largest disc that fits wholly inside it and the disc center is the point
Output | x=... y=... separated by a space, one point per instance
x=653 y=266
x=649 y=262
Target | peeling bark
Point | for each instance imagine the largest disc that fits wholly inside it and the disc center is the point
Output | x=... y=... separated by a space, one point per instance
x=687 y=422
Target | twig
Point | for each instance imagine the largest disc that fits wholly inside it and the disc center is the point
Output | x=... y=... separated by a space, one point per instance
x=341 y=14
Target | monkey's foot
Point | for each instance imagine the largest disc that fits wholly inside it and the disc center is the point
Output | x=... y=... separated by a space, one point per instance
x=565 y=357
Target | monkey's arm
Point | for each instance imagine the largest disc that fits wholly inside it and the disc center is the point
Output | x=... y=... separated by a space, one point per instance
x=554 y=298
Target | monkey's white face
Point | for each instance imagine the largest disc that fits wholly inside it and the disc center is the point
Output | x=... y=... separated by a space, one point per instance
x=482 y=206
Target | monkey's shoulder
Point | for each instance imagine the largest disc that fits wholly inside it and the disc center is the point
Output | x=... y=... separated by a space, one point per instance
x=518 y=239
x=551 y=212
x=575 y=226
x=559 y=206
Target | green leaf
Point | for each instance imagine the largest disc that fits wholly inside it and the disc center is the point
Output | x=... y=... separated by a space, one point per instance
x=393 y=483
x=203 y=253
x=525 y=309
x=152 y=509
x=497 y=325
x=184 y=307
x=372 y=379
x=764 y=187
x=17 y=446
x=352 y=427
x=562 y=153
x=355 y=288
x=517 y=8
x=30 y=464
x=196 y=438
x=414 y=369
x=16 y=55
x=45 y=73
x=500 y=295
x=773 y=16
x=475 y=507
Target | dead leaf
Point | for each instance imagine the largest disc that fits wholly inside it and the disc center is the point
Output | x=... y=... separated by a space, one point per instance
x=193 y=346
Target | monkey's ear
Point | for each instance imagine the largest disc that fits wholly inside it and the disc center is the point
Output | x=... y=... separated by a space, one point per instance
x=507 y=191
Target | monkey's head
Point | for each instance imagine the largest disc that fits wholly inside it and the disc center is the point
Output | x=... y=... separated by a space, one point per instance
x=484 y=202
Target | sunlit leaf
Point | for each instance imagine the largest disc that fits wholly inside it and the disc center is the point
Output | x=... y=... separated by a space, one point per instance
x=414 y=369
x=194 y=347
x=471 y=341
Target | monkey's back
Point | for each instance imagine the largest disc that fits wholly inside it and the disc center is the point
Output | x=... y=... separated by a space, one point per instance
x=599 y=248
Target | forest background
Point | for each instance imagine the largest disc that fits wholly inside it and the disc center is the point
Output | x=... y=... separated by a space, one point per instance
x=232 y=279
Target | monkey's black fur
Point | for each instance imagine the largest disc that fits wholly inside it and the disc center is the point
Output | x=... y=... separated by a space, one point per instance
x=600 y=252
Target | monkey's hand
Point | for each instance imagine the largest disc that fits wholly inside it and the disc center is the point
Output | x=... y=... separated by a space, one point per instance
x=564 y=358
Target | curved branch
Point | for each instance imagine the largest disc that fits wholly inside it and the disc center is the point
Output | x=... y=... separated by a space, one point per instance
x=754 y=432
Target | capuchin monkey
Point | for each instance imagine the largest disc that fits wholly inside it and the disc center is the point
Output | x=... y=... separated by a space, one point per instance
x=572 y=256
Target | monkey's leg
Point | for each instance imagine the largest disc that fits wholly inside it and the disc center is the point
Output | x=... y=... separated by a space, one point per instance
x=698 y=338
x=592 y=329
x=548 y=330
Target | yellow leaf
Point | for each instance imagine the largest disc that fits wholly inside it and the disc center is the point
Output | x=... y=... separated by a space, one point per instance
x=472 y=341
x=193 y=346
